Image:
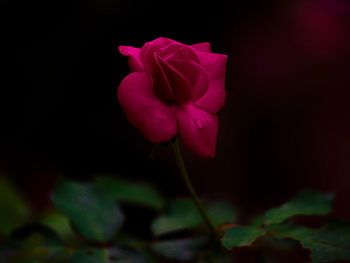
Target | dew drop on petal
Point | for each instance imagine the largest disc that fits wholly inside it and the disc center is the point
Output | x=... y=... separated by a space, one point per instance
x=199 y=124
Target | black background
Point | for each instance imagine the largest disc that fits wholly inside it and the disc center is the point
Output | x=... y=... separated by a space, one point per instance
x=285 y=125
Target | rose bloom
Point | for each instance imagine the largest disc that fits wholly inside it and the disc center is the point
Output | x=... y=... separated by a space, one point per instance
x=175 y=89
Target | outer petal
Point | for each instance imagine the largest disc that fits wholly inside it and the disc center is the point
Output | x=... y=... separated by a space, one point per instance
x=198 y=130
x=142 y=108
x=133 y=54
x=204 y=47
x=215 y=65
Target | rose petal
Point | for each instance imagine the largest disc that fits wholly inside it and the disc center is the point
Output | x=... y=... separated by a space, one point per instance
x=169 y=49
x=133 y=54
x=162 y=86
x=184 y=52
x=204 y=47
x=180 y=85
x=142 y=108
x=195 y=73
x=148 y=49
x=198 y=130
x=215 y=65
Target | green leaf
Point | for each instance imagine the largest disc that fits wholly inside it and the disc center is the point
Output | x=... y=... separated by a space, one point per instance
x=241 y=236
x=327 y=244
x=94 y=214
x=13 y=208
x=183 y=214
x=112 y=255
x=130 y=192
x=181 y=249
x=60 y=223
x=308 y=202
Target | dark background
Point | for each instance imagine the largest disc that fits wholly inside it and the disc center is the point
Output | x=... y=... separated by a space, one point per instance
x=285 y=126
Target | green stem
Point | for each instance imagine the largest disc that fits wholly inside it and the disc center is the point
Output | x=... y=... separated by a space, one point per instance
x=189 y=186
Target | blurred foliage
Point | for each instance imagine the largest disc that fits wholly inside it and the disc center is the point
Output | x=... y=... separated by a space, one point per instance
x=60 y=223
x=93 y=255
x=241 y=236
x=35 y=243
x=182 y=214
x=92 y=212
x=86 y=225
x=182 y=249
x=12 y=206
x=307 y=202
x=327 y=244
x=136 y=193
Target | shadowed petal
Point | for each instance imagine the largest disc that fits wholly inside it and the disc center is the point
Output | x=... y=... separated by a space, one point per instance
x=133 y=54
x=162 y=86
x=180 y=85
x=142 y=108
x=198 y=130
x=215 y=65
x=196 y=75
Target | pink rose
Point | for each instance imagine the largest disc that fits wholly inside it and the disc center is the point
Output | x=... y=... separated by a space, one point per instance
x=175 y=89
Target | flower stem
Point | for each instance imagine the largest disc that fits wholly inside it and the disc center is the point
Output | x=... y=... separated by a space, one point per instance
x=189 y=186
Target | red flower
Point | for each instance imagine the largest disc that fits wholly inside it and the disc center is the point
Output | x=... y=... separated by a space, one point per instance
x=175 y=88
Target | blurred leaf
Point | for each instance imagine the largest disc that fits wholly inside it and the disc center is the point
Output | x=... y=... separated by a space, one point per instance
x=256 y=220
x=60 y=223
x=241 y=236
x=180 y=249
x=37 y=234
x=327 y=244
x=148 y=255
x=308 y=202
x=221 y=212
x=13 y=209
x=35 y=243
x=183 y=214
x=125 y=191
x=94 y=214
x=157 y=148
x=215 y=256
x=112 y=255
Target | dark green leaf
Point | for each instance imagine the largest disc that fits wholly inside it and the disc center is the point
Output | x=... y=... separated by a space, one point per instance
x=180 y=249
x=183 y=214
x=215 y=256
x=257 y=220
x=94 y=214
x=327 y=244
x=148 y=255
x=308 y=202
x=241 y=236
x=125 y=191
x=13 y=209
x=112 y=255
x=221 y=213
